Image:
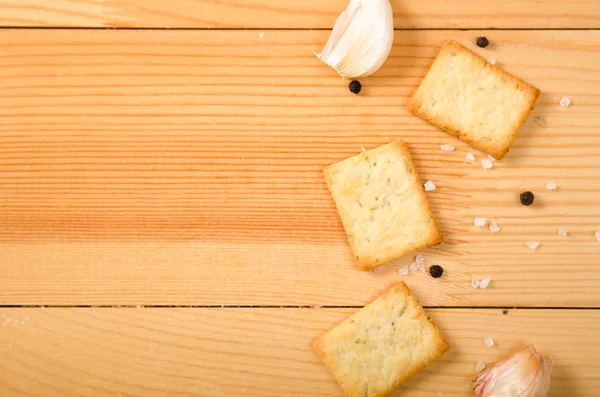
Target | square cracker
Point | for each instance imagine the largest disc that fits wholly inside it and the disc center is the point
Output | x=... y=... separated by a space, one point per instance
x=382 y=205
x=467 y=97
x=382 y=345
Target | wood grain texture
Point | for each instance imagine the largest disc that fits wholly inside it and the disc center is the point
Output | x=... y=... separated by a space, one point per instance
x=261 y=352
x=184 y=167
x=265 y=14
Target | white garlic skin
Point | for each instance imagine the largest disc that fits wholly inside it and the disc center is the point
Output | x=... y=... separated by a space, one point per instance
x=361 y=39
x=526 y=373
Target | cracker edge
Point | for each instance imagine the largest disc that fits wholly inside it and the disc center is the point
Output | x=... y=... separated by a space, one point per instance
x=414 y=104
x=439 y=349
x=435 y=236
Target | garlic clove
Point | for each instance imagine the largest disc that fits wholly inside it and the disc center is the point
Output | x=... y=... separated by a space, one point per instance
x=526 y=373
x=361 y=39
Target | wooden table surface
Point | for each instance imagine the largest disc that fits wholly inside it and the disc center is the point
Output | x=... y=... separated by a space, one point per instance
x=165 y=229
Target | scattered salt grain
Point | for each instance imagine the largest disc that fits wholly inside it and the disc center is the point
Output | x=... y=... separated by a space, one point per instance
x=403 y=271
x=413 y=267
x=362 y=149
x=484 y=282
x=550 y=185
x=562 y=232
x=420 y=259
x=470 y=157
x=447 y=148
x=429 y=186
x=377 y=270
x=565 y=101
x=480 y=366
x=474 y=283
x=421 y=267
x=487 y=164
x=261 y=35
x=597 y=234
x=489 y=341
x=492 y=159
x=494 y=227
x=440 y=395
x=480 y=222
x=492 y=61
x=532 y=244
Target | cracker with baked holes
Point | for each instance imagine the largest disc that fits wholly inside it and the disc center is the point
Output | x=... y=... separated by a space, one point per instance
x=466 y=96
x=382 y=345
x=382 y=204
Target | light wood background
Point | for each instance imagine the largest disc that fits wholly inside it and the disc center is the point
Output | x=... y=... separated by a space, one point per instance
x=178 y=172
x=296 y=14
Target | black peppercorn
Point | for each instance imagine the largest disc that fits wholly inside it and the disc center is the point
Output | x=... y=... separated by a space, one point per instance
x=505 y=312
x=436 y=271
x=527 y=198
x=355 y=86
x=482 y=42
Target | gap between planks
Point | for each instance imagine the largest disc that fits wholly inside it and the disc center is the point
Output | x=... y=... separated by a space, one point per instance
x=284 y=307
x=266 y=29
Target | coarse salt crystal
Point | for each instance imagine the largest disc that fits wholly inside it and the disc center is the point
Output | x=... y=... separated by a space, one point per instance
x=362 y=149
x=403 y=271
x=421 y=267
x=489 y=341
x=550 y=185
x=484 y=282
x=565 y=101
x=491 y=158
x=562 y=232
x=492 y=61
x=261 y=35
x=480 y=222
x=494 y=227
x=487 y=164
x=474 y=283
x=532 y=244
x=470 y=156
x=597 y=234
x=440 y=395
x=420 y=259
x=480 y=366
x=429 y=186
x=447 y=148
x=413 y=266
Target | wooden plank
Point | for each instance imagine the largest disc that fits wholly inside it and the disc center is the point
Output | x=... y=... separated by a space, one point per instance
x=261 y=352
x=180 y=167
x=265 y=14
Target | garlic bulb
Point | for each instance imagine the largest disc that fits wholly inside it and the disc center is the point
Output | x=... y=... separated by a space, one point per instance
x=524 y=374
x=361 y=39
